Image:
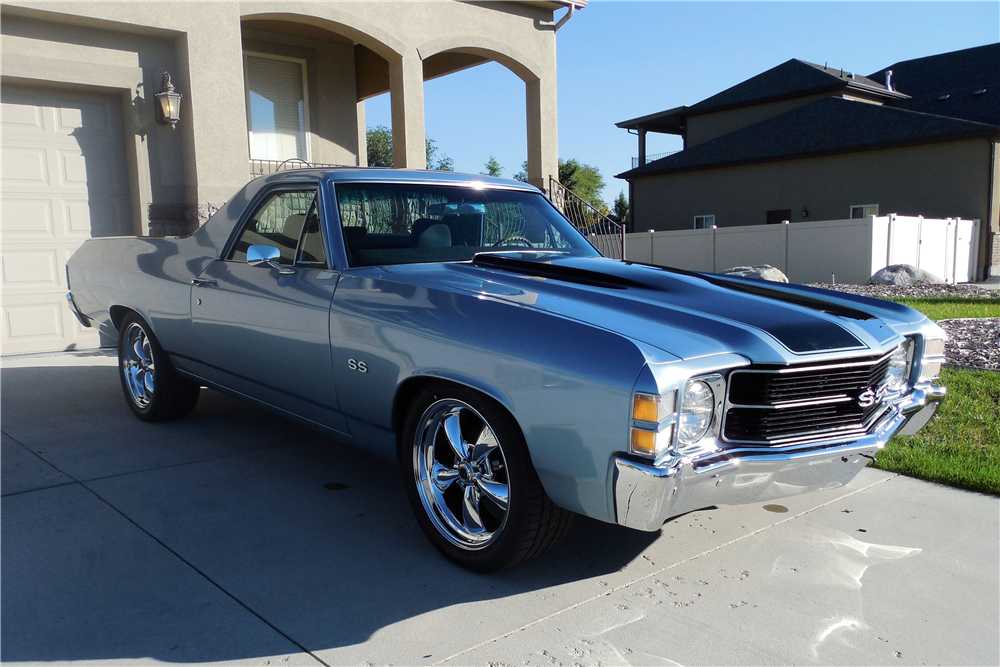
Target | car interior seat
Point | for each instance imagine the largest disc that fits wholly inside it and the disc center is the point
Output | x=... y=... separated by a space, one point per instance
x=435 y=236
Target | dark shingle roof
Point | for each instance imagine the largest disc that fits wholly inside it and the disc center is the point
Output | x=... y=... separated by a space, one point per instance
x=971 y=69
x=970 y=79
x=829 y=125
x=981 y=105
x=792 y=78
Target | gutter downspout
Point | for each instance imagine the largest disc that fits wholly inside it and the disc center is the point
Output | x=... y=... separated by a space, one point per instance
x=993 y=236
x=566 y=17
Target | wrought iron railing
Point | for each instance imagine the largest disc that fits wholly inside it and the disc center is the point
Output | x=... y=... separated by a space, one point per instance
x=264 y=167
x=652 y=158
x=603 y=233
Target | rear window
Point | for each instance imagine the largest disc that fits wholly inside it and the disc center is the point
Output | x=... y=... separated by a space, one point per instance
x=386 y=224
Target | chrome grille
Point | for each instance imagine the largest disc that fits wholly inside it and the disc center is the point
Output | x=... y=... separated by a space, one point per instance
x=801 y=404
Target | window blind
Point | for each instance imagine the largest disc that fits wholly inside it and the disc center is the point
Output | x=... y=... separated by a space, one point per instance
x=277 y=109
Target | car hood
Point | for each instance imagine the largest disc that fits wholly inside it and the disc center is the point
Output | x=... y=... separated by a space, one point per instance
x=684 y=313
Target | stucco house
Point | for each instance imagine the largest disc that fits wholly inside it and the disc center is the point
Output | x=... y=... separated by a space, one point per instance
x=804 y=141
x=87 y=150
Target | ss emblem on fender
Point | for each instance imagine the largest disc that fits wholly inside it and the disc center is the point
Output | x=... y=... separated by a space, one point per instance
x=356 y=365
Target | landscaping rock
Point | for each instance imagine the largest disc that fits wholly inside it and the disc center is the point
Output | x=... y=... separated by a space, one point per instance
x=973 y=343
x=913 y=291
x=904 y=274
x=762 y=271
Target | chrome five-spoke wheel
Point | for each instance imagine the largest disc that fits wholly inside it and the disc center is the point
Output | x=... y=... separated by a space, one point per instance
x=461 y=474
x=153 y=389
x=472 y=486
x=137 y=365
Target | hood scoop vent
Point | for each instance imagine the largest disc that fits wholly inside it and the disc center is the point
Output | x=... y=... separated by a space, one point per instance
x=544 y=269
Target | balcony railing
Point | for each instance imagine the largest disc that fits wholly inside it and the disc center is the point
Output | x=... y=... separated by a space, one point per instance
x=264 y=167
x=652 y=158
x=603 y=233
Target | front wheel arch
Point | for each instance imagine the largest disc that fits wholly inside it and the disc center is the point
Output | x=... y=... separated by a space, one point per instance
x=408 y=389
x=531 y=523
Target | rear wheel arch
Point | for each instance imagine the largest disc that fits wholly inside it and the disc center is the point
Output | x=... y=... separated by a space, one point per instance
x=118 y=314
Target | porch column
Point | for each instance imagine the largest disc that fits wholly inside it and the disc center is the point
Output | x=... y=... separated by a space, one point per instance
x=543 y=131
x=406 y=91
x=213 y=124
x=642 y=147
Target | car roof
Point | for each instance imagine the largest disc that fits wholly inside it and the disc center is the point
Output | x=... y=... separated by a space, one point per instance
x=387 y=175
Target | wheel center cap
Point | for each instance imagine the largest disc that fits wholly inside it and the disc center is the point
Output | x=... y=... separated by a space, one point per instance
x=466 y=472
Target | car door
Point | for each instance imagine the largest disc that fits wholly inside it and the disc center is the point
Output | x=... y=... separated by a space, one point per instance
x=264 y=330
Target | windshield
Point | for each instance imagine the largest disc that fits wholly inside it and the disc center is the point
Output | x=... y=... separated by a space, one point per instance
x=405 y=224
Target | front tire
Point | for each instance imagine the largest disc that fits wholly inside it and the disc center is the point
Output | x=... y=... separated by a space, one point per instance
x=153 y=389
x=471 y=483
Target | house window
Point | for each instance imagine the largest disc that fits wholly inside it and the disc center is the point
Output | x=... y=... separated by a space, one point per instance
x=277 y=107
x=704 y=221
x=858 y=212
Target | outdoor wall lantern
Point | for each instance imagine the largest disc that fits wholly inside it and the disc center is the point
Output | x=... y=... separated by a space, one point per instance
x=168 y=109
x=805 y=212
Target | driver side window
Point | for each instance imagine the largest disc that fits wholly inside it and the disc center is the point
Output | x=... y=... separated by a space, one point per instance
x=279 y=222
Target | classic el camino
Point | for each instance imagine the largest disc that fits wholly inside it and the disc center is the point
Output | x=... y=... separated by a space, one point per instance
x=462 y=326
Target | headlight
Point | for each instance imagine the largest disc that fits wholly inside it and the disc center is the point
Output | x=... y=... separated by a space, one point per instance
x=697 y=410
x=899 y=367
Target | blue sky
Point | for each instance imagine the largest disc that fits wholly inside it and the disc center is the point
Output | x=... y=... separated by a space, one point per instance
x=619 y=60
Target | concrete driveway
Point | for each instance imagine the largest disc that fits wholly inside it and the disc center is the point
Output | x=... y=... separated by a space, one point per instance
x=216 y=539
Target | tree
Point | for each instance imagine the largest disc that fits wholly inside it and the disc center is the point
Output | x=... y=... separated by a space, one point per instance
x=621 y=207
x=493 y=168
x=584 y=180
x=379 y=141
x=523 y=174
x=379 y=146
x=444 y=163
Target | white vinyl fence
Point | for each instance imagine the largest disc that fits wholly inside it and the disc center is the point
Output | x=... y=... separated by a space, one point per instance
x=843 y=251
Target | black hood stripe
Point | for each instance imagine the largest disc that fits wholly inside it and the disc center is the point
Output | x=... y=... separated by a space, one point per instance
x=752 y=305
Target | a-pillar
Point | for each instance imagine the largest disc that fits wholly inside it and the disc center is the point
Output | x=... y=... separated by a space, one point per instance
x=543 y=131
x=406 y=90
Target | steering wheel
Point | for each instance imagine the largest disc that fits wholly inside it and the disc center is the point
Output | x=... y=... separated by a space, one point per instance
x=513 y=237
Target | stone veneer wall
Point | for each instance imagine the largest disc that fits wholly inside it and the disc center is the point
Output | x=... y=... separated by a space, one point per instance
x=179 y=219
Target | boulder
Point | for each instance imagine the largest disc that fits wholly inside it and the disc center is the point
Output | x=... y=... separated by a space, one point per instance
x=762 y=271
x=904 y=274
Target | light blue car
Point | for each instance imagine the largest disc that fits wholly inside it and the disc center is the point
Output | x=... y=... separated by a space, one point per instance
x=462 y=326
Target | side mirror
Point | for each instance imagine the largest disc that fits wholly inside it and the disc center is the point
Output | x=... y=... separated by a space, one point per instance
x=264 y=255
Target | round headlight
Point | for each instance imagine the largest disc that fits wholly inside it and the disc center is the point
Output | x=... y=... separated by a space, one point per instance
x=899 y=368
x=697 y=409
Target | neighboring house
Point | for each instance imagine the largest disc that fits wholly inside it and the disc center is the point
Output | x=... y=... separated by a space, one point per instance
x=807 y=142
x=262 y=82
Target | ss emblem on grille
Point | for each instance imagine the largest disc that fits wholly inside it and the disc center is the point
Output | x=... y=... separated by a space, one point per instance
x=871 y=396
x=866 y=398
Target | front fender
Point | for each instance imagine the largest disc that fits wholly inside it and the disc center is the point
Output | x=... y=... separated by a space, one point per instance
x=567 y=384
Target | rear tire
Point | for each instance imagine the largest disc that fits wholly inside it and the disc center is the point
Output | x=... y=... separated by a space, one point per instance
x=153 y=389
x=471 y=483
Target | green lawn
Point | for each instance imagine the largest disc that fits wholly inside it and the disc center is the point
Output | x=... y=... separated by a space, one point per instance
x=961 y=446
x=944 y=308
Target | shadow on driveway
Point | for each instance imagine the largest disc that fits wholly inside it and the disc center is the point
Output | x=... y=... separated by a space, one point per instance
x=215 y=538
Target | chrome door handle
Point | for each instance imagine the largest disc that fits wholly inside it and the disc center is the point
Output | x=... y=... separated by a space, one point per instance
x=204 y=282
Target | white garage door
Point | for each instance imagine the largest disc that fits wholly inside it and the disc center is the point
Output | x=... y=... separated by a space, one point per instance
x=64 y=179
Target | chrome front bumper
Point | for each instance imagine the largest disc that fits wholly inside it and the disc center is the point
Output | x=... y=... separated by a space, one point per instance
x=646 y=495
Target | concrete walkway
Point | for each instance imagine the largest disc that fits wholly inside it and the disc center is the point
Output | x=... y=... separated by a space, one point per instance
x=215 y=539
